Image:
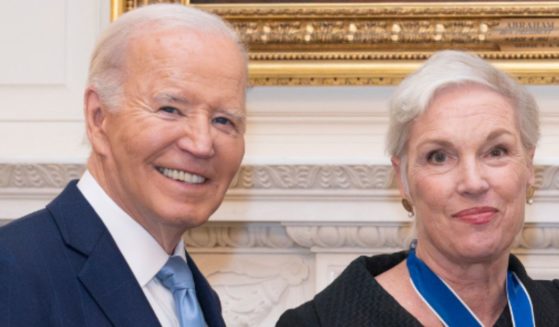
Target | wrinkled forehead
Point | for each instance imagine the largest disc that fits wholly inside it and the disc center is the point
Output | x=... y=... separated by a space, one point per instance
x=456 y=108
x=180 y=43
x=175 y=54
x=458 y=97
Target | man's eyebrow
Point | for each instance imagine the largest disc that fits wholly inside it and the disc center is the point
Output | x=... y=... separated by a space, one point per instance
x=168 y=97
x=236 y=114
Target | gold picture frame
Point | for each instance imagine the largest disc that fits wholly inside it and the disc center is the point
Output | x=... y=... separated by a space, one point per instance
x=378 y=43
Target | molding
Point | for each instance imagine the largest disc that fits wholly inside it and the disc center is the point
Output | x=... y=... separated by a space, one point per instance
x=250 y=177
x=365 y=236
x=314 y=177
x=369 y=43
x=239 y=235
x=38 y=175
x=336 y=237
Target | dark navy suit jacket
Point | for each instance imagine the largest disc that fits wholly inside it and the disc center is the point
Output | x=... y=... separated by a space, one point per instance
x=60 y=267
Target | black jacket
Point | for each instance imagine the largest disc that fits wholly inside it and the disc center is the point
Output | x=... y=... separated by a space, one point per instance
x=356 y=299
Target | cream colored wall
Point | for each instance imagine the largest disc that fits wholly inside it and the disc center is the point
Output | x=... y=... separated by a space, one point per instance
x=315 y=190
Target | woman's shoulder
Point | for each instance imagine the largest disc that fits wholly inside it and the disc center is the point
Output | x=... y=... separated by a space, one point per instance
x=549 y=286
x=545 y=299
x=545 y=286
x=354 y=298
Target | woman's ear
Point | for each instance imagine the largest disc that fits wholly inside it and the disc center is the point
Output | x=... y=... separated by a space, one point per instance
x=95 y=114
x=396 y=166
x=531 y=169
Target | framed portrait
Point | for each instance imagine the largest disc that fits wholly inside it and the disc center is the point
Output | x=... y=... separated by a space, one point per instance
x=364 y=42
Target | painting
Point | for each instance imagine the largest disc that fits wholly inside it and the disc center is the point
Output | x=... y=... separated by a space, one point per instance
x=378 y=43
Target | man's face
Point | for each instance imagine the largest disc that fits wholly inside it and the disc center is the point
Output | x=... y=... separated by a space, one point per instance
x=177 y=139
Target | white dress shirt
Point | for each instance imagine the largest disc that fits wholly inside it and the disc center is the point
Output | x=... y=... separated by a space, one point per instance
x=140 y=250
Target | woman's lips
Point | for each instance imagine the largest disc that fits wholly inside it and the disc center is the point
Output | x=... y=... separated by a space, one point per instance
x=477 y=215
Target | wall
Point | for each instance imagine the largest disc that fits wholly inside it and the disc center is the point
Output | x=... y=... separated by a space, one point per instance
x=315 y=190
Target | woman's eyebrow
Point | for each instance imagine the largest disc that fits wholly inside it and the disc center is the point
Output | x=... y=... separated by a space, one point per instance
x=436 y=141
x=498 y=133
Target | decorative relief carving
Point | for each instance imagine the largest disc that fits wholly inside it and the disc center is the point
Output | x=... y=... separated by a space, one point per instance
x=238 y=236
x=324 y=177
x=359 y=35
x=250 y=288
x=318 y=80
x=38 y=175
x=382 y=79
x=336 y=236
x=547 y=178
x=350 y=236
x=409 y=10
x=375 y=34
x=314 y=177
x=387 y=56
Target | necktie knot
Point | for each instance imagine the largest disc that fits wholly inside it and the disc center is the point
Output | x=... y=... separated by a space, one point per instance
x=175 y=275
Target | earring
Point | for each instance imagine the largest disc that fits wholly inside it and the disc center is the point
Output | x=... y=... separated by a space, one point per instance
x=530 y=194
x=407 y=205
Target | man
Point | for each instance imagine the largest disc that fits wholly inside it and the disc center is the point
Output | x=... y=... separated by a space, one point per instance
x=164 y=113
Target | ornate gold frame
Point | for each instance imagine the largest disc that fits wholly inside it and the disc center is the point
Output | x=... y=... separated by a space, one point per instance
x=379 y=43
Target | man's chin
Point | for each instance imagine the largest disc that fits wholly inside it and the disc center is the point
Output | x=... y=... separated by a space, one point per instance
x=186 y=222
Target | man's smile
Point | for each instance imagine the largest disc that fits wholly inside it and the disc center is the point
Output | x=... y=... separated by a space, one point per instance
x=181 y=175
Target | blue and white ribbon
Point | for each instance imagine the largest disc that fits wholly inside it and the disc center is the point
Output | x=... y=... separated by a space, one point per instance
x=451 y=310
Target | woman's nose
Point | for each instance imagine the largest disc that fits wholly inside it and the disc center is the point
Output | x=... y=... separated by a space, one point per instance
x=472 y=179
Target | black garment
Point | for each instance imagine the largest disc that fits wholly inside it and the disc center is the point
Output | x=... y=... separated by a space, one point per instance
x=356 y=299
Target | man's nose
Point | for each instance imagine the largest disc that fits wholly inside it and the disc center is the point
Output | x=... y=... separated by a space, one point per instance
x=472 y=177
x=197 y=137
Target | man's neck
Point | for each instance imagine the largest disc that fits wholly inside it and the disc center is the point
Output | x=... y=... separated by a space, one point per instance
x=167 y=236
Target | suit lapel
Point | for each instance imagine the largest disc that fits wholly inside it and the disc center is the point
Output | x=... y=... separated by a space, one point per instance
x=208 y=299
x=105 y=273
x=110 y=282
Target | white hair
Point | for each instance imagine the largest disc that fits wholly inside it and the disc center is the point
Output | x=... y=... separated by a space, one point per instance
x=454 y=68
x=106 y=69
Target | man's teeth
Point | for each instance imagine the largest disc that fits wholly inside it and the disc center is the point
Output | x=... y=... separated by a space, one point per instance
x=182 y=176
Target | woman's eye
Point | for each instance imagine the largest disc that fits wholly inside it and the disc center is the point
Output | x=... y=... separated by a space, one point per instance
x=169 y=110
x=498 y=152
x=437 y=157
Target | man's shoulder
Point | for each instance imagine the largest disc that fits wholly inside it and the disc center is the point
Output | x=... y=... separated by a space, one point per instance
x=37 y=229
x=23 y=228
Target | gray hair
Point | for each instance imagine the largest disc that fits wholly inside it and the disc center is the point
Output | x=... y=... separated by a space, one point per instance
x=454 y=68
x=106 y=69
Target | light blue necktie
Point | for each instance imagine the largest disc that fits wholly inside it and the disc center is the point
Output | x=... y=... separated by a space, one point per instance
x=176 y=276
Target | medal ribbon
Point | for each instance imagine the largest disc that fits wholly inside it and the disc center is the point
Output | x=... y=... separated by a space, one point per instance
x=450 y=309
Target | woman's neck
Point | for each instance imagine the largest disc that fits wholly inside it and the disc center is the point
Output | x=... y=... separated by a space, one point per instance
x=481 y=285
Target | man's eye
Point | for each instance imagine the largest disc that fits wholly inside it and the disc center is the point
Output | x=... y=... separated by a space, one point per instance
x=222 y=121
x=169 y=110
x=436 y=157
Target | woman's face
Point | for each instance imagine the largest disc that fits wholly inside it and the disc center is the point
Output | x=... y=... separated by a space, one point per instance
x=468 y=174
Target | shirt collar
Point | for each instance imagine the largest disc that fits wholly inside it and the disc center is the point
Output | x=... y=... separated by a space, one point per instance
x=144 y=255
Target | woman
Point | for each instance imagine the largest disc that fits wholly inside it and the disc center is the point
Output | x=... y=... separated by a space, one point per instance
x=462 y=137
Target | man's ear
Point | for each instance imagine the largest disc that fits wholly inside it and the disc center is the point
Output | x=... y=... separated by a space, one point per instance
x=396 y=166
x=95 y=121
